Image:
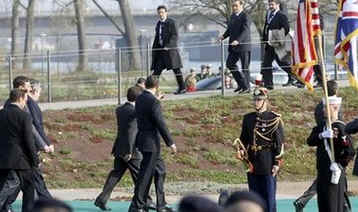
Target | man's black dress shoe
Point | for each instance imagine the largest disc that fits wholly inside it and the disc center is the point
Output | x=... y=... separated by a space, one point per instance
x=102 y=206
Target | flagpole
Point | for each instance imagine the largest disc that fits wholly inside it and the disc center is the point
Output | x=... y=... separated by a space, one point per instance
x=324 y=83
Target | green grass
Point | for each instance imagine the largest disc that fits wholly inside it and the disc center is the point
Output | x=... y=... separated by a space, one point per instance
x=203 y=129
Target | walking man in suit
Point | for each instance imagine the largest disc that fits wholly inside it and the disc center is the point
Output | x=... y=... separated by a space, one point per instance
x=126 y=155
x=275 y=20
x=240 y=48
x=151 y=124
x=165 y=54
x=17 y=146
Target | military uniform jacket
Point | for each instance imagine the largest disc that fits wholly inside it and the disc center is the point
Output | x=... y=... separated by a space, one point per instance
x=343 y=149
x=262 y=135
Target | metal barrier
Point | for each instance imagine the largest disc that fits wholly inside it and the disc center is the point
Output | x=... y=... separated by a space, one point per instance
x=109 y=73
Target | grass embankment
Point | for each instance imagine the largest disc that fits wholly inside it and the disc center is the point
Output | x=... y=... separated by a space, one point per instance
x=203 y=129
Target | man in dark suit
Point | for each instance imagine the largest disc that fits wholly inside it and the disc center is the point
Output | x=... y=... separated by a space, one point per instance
x=126 y=154
x=165 y=54
x=42 y=143
x=17 y=146
x=240 y=48
x=151 y=125
x=275 y=20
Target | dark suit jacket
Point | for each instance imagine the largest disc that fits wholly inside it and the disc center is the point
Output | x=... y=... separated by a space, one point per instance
x=279 y=21
x=150 y=123
x=37 y=120
x=172 y=58
x=41 y=140
x=239 y=29
x=17 y=146
x=127 y=132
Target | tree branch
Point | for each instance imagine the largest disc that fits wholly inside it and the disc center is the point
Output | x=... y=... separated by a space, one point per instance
x=110 y=18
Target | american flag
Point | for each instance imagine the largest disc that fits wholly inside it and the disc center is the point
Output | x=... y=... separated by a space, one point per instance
x=304 y=55
x=346 y=38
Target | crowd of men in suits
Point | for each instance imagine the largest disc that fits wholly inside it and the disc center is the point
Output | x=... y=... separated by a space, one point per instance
x=22 y=138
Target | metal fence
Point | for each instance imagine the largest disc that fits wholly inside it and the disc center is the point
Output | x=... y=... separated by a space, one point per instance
x=110 y=72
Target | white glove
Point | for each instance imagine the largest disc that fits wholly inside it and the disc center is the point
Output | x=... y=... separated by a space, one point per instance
x=336 y=173
x=328 y=133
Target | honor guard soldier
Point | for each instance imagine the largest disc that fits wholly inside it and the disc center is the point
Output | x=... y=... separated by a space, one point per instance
x=262 y=136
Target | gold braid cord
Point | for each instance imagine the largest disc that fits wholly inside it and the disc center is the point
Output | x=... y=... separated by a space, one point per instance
x=272 y=125
x=240 y=147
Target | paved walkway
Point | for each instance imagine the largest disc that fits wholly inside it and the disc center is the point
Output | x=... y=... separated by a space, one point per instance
x=114 y=101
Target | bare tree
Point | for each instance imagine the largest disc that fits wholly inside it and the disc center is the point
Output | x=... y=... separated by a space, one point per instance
x=28 y=34
x=81 y=35
x=219 y=11
x=15 y=30
x=129 y=31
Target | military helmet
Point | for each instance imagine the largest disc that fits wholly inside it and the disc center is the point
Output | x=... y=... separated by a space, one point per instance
x=260 y=93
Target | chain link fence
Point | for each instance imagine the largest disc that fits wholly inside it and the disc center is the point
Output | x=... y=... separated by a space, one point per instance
x=108 y=73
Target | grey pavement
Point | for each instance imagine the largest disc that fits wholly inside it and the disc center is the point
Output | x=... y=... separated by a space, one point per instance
x=114 y=101
x=285 y=190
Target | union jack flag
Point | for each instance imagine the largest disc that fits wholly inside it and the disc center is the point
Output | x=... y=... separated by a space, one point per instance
x=346 y=39
x=304 y=55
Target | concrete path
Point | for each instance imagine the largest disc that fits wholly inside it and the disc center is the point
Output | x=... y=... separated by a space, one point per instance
x=285 y=190
x=114 y=101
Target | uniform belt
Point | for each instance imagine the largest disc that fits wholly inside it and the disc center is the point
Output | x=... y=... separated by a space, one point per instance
x=257 y=148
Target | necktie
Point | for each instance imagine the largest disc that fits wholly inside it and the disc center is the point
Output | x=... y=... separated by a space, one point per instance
x=272 y=14
x=161 y=32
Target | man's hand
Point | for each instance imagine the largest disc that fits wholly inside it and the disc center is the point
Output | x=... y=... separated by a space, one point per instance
x=275 y=170
x=220 y=38
x=174 y=148
x=127 y=157
x=240 y=154
x=326 y=134
x=52 y=148
x=47 y=149
x=234 y=43
x=165 y=48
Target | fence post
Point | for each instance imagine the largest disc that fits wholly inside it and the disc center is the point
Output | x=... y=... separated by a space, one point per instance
x=10 y=72
x=119 y=67
x=222 y=68
x=148 y=62
x=49 y=85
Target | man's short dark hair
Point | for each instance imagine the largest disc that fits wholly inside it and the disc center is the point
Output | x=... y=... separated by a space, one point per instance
x=332 y=87
x=152 y=82
x=16 y=94
x=162 y=7
x=133 y=93
x=140 y=80
x=276 y=1
x=20 y=81
x=43 y=205
x=247 y=196
x=194 y=203
x=35 y=84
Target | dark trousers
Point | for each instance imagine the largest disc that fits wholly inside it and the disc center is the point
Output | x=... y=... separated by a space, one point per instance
x=242 y=77
x=266 y=70
x=312 y=190
x=265 y=186
x=120 y=167
x=11 y=185
x=330 y=197
x=151 y=166
x=27 y=186
x=41 y=191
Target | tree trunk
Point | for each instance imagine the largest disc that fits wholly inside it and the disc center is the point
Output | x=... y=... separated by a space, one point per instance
x=81 y=35
x=28 y=35
x=14 y=31
x=130 y=34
